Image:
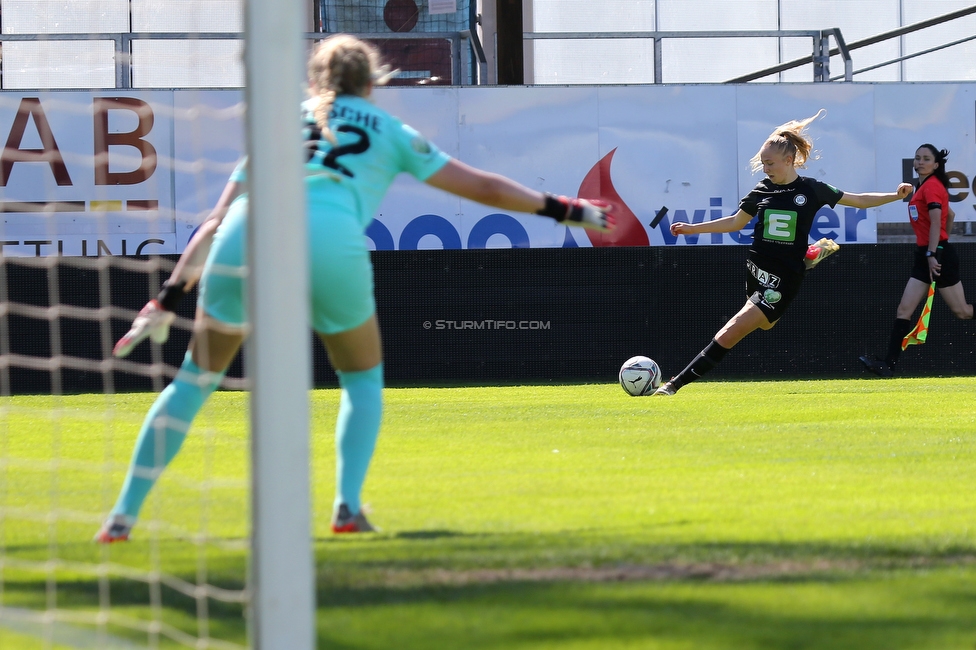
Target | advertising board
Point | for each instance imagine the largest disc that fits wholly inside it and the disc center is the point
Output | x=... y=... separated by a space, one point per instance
x=127 y=173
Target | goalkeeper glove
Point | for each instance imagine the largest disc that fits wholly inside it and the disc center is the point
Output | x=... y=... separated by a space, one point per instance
x=153 y=320
x=594 y=215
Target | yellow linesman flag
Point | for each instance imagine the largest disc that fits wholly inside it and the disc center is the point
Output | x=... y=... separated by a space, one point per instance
x=921 y=330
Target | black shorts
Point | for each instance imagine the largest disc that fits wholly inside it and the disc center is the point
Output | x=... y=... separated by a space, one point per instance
x=771 y=286
x=948 y=276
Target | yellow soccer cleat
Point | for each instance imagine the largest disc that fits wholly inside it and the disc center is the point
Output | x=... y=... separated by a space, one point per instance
x=819 y=250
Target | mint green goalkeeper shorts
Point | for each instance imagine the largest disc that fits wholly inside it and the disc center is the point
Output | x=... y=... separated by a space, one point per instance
x=341 y=274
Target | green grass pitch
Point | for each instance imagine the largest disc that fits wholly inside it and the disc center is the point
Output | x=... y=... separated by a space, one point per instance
x=736 y=515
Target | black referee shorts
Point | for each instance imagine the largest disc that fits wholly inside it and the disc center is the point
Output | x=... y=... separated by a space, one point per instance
x=948 y=276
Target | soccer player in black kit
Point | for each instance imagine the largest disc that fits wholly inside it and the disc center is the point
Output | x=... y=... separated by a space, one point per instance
x=784 y=204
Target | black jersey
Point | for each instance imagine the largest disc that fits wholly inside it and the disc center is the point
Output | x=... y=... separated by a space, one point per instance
x=785 y=215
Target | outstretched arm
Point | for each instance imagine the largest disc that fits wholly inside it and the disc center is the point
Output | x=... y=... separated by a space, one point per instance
x=874 y=199
x=485 y=187
x=501 y=192
x=190 y=265
x=155 y=318
x=731 y=223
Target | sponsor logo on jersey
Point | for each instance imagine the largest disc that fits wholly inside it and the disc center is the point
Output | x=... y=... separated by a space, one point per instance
x=771 y=297
x=780 y=225
x=765 y=278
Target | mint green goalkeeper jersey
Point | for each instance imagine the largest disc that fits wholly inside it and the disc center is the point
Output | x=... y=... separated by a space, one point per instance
x=371 y=147
x=346 y=181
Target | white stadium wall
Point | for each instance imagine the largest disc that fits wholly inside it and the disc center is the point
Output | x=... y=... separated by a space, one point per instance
x=686 y=147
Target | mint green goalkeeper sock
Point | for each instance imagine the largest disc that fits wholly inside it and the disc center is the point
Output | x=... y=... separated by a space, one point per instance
x=163 y=432
x=357 y=427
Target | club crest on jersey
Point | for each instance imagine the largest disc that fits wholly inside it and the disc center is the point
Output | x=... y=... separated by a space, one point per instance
x=420 y=145
x=800 y=199
x=771 y=297
x=765 y=278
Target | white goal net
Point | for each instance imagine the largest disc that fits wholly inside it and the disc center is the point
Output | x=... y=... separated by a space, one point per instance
x=123 y=120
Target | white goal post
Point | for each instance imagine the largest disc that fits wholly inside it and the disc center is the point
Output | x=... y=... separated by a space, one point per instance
x=282 y=564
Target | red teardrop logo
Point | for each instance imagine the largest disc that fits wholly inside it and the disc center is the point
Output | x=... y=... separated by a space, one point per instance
x=597 y=185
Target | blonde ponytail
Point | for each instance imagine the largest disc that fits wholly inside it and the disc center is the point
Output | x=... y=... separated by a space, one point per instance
x=791 y=139
x=343 y=65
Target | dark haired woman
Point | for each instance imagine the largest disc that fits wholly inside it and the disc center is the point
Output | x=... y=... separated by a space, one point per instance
x=935 y=258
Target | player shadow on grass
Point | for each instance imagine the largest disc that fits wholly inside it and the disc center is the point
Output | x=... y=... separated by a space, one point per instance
x=716 y=596
x=428 y=534
x=534 y=614
x=403 y=534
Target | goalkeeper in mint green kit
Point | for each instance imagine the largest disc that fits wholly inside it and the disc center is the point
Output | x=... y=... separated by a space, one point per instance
x=353 y=152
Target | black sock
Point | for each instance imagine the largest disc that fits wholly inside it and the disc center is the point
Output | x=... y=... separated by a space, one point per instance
x=707 y=359
x=899 y=330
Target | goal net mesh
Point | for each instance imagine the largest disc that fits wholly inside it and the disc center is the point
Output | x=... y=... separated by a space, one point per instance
x=100 y=191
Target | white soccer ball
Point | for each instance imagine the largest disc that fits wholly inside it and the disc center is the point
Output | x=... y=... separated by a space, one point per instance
x=640 y=376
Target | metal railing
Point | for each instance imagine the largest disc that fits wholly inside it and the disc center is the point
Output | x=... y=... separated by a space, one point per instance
x=464 y=58
x=820 y=39
x=872 y=40
x=469 y=62
x=819 y=57
x=467 y=53
x=123 y=45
